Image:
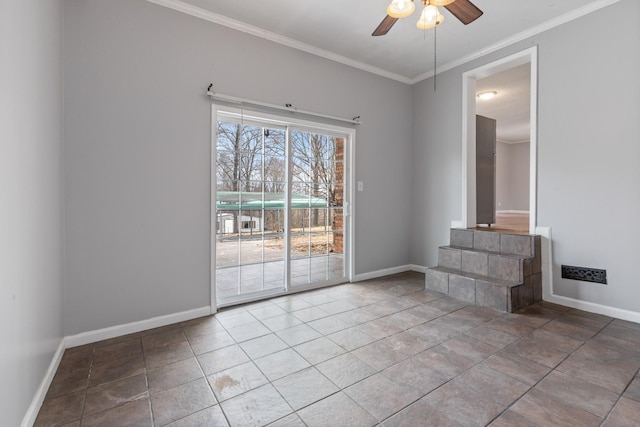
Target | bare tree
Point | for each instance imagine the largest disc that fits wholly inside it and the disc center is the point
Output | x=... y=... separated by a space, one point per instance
x=250 y=159
x=238 y=156
x=315 y=164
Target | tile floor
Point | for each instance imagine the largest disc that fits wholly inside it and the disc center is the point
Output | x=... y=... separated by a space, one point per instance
x=238 y=281
x=382 y=352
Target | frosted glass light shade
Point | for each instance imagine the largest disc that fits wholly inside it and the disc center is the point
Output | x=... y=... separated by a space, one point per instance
x=429 y=18
x=400 y=8
x=486 y=95
x=441 y=2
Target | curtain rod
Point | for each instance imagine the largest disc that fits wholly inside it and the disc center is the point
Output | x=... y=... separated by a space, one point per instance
x=288 y=107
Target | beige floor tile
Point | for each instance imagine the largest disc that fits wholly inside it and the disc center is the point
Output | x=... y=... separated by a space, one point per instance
x=381 y=397
x=304 y=387
x=131 y=414
x=319 y=350
x=381 y=352
x=212 y=416
x=346 y=370
x=224 y=358
x=209 y=342
x=626 y=413
x=237 y=380
x=108 y=395
x=281 y=364
x=263 y=345
x=181 y=401
x=419 y=414
x=465 y=407
x=541 y=409
x=336 y=410
x=257 y=407
x=522 y=369
x=60 y=410
x=298 y=334
x=578 y=393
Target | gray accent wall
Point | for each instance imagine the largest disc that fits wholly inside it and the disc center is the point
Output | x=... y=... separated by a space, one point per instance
x=137 y=152
x=512 y=176
x=588 y=152
x=31 y=236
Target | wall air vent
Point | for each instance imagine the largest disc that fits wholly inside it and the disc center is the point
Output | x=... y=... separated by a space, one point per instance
x=584 y=274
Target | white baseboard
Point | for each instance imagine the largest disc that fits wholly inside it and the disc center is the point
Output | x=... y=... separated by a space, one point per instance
x=548 y=293
x=512 y=211
x=99 y=335
x=381 y=273
x=457 y=224
x=618 y=313
x=32 y=413
x=130 y=328
x=418 y=268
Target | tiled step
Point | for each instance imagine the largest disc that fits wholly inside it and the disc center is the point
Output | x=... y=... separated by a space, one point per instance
x=492 y=241
x=500 y=294
x=494 y=269
x=484 y=263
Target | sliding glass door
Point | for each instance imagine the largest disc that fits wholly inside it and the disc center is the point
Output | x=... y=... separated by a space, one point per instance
x=279 y=217
x=317 y=217
x=249 y=217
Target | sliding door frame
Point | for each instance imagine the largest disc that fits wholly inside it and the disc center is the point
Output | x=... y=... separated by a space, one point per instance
x=289 y=123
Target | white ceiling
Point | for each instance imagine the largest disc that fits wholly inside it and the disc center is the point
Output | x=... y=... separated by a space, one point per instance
x=511 y=106
x=341 y=29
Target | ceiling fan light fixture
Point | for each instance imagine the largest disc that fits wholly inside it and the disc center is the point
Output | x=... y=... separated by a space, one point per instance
x=487 y=94
x=401 y=8
x=441 y=2
x=430 y=17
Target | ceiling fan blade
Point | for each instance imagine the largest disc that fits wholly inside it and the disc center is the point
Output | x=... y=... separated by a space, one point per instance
x=384 y=26
x=464 y=10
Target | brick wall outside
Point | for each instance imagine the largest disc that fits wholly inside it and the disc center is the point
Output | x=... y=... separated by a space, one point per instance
x=338 y=218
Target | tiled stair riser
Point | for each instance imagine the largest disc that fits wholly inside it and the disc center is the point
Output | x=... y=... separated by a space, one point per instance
x=486 y=241
x=475 y=263
x=506 y=268
x=437 y=281
x=462 y=287
x=450 y=258
x=495 y=296
x=492 y=269
x=461 y=238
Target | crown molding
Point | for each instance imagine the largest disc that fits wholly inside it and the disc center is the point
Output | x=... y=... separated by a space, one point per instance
x=559 y=20
x=216 y=18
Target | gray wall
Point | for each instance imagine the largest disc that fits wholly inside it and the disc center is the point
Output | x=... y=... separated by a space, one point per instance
x=137 y=150
x=30 y=199
x=588 y=152
x=512 y=176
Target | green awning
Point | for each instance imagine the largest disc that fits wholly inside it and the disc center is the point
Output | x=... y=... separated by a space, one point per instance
x=245 y=200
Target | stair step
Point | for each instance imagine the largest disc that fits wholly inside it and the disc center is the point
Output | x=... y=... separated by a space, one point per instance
x=489 y=268
x=484 y=251
x=493 y=241
x=503 y=295
x=494 y=265
x=499 y=282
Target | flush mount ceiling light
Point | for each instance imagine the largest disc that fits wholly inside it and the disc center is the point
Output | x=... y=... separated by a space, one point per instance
x=487 y=94
x=464 y=10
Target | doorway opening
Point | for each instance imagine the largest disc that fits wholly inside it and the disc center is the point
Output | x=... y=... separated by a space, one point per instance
x=280 y=194
x=516 y=142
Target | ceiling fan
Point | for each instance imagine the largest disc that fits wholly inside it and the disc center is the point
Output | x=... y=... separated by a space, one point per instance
x=464 y=10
